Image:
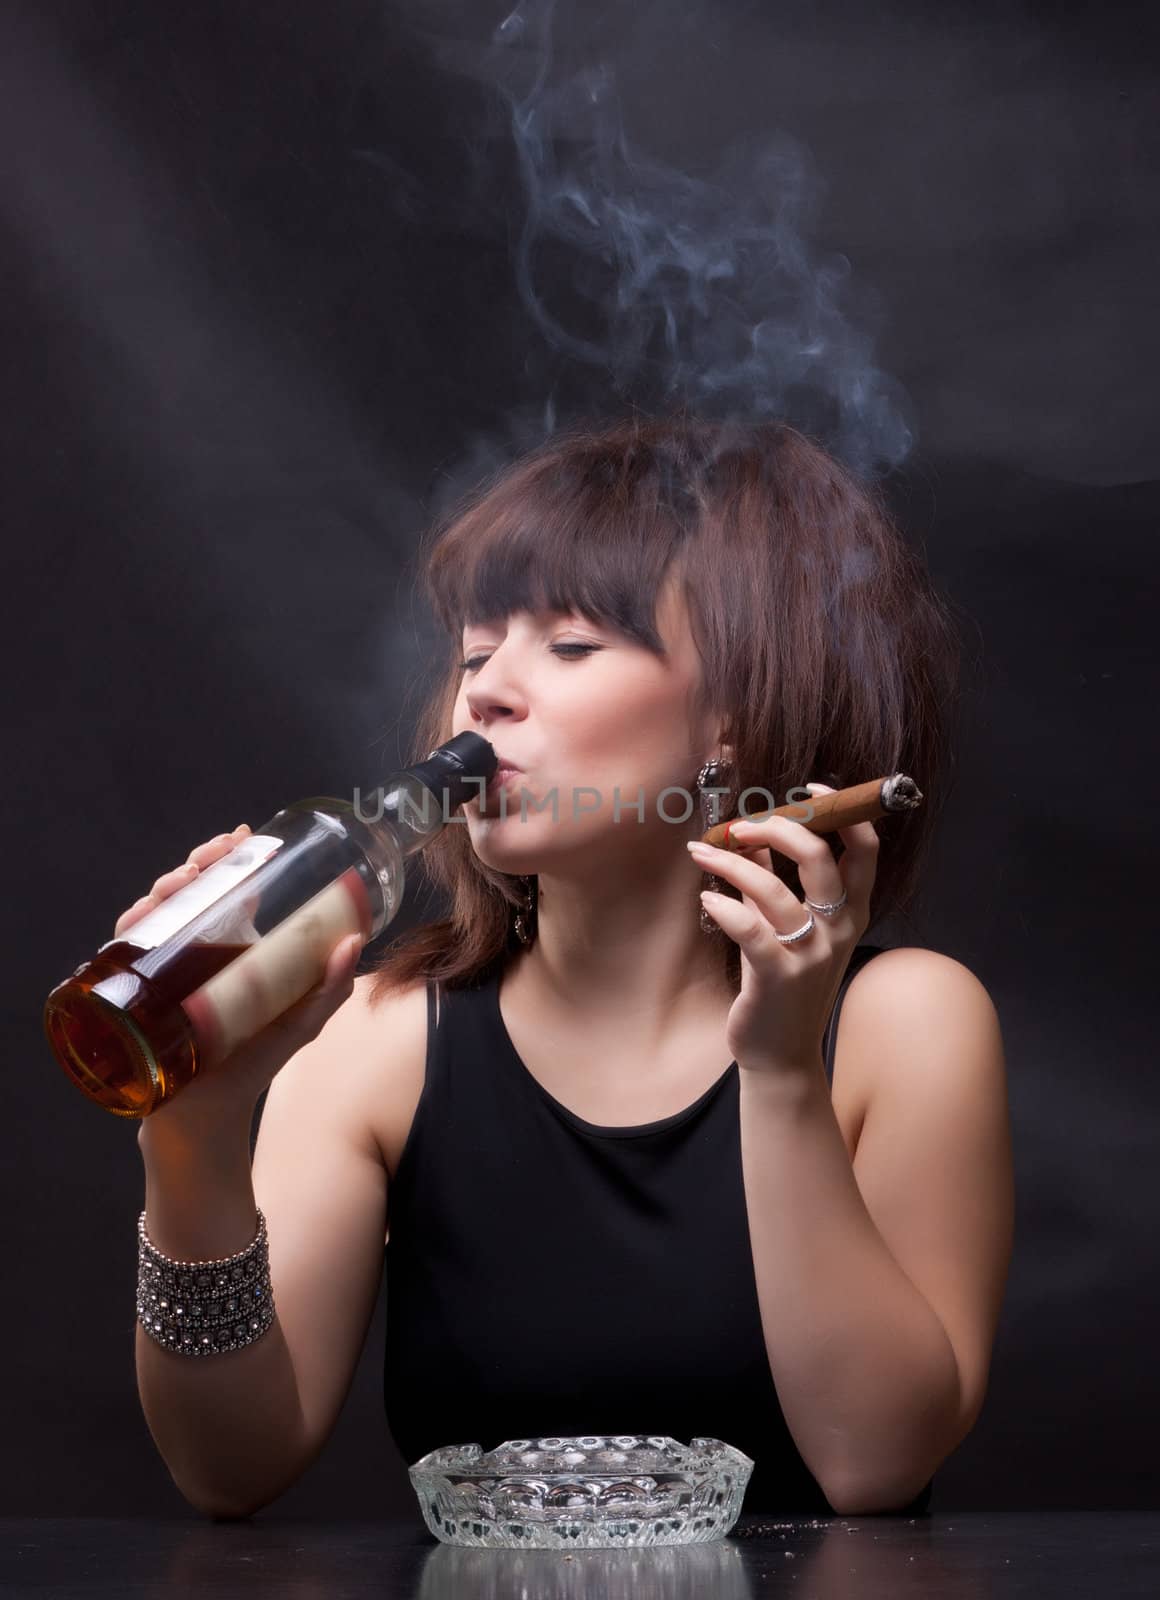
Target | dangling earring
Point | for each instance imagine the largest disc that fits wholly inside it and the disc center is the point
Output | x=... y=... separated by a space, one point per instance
x=713 y=775
x=525 y=917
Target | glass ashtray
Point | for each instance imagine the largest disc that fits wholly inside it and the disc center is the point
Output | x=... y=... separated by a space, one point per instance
x=591 y=1492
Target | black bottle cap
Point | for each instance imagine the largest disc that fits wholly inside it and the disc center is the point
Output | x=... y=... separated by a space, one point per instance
x=449 y=766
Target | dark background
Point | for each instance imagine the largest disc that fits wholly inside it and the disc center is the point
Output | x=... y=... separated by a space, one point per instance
x=262 y=313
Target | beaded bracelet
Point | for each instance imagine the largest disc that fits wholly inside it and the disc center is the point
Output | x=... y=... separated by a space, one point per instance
x=201 y=1308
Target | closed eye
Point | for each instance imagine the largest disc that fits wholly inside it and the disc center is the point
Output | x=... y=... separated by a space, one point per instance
x=569 y=652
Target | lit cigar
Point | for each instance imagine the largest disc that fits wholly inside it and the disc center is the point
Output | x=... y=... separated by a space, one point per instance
x=863 y=802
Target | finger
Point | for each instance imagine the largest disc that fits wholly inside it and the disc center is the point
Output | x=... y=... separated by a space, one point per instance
x=200 y=857
x=342 y=961
x=859 y=864
x=858 y=832
x=744 y=924
x=818 y=873
x=167 y=884
x=757 y=851
x=221 y=844
x=772 y=898
x=782 y=834
x=305 y=1018
x=133 y=914
x=339 y=969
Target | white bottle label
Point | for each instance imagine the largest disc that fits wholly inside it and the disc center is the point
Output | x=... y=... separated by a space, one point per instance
x=258 y=985
x=189 y=901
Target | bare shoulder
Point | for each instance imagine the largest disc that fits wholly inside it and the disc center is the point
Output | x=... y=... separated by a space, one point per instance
x=405 y=1006
x=918 y=976
x=907 y=1003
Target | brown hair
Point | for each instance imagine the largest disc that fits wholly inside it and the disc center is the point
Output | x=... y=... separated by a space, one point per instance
x=820 y=632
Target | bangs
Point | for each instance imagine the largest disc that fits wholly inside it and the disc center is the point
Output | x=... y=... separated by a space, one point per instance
x=573 y=535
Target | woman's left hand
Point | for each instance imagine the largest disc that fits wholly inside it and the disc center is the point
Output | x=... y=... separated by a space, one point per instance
x=778 y=1020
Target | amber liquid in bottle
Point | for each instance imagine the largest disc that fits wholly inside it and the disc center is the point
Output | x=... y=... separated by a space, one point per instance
x=197 y=978
x=95 y=1041
x=228 y=953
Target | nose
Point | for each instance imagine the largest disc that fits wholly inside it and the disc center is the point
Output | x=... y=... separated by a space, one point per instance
x=492 y=696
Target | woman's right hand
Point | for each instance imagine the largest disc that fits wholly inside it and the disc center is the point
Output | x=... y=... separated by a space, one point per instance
x=231 y=1087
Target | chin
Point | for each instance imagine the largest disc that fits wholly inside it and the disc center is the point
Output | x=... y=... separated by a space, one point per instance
x=498 y=845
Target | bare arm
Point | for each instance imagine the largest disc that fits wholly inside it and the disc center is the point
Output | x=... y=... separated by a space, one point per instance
x=881 y=1280
x=228 y=1424
x=238 y=1428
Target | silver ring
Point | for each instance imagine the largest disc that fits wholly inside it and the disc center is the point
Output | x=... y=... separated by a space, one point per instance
x=830 y=907
x=792 y=938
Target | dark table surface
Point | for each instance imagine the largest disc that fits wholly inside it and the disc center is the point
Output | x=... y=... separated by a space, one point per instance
x=1107 y=1555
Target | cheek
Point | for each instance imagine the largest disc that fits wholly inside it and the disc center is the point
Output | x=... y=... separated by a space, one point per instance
x=628 y=736
x=611 y=720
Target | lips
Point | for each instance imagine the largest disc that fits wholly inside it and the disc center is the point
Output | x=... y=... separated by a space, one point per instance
x=501 y=778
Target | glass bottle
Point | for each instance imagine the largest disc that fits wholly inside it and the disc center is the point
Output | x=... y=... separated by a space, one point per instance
x=230 y=951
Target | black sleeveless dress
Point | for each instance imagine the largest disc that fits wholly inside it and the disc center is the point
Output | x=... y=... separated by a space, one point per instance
x=547 y=1276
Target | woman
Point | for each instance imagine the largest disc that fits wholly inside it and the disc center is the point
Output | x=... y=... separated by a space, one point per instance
x=639 y=1181
x=647 y=1185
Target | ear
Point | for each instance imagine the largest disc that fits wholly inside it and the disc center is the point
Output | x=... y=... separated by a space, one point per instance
x=716 y=729
x=722 y=723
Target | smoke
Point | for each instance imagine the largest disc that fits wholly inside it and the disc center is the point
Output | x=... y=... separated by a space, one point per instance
x=673 y=288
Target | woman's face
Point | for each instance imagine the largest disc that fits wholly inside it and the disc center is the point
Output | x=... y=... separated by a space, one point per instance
x=595 y=720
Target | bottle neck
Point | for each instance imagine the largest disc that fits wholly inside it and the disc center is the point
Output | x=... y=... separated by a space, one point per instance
x=405 y=809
